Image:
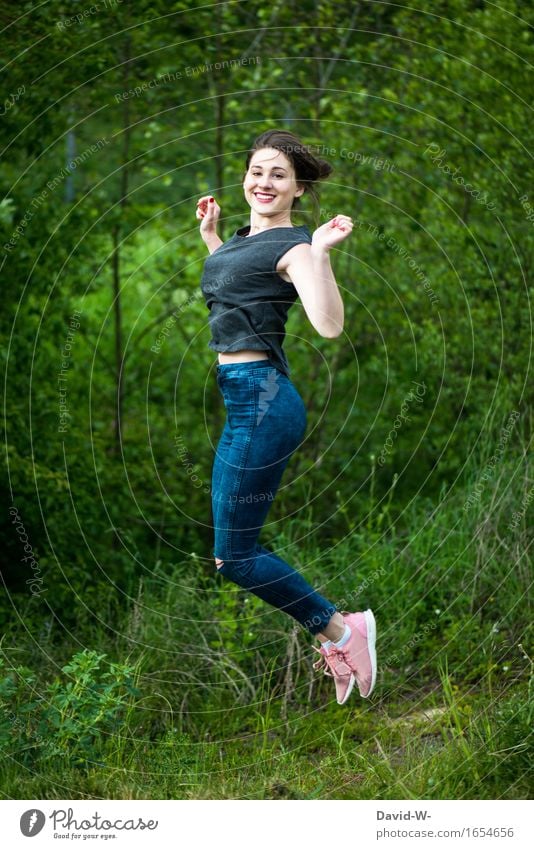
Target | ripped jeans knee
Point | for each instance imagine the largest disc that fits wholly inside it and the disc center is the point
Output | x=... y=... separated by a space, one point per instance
x=235 y=568
x=276 y=582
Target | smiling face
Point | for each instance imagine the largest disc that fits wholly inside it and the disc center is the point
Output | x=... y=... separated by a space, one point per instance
x=270 y=185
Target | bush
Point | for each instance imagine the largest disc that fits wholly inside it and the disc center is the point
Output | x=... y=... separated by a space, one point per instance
x=74 y=718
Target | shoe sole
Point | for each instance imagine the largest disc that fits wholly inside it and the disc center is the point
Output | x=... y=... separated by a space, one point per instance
x=371 y=646
x=349 y=689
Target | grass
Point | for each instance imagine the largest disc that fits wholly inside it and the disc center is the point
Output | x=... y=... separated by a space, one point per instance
x=204 y=692
x=466 y=747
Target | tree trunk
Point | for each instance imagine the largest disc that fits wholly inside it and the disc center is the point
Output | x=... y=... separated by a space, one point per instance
x=115 y=259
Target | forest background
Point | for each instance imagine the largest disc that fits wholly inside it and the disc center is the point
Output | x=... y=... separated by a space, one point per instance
x=130 y=669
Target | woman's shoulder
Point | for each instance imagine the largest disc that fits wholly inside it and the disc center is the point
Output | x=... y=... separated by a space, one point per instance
x=303 y=228
x=298 y=234
x=295 y=232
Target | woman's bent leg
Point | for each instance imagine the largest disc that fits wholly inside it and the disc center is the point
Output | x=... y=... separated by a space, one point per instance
x=265 y=424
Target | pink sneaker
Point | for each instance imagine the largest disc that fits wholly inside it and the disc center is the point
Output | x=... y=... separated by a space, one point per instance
x=335 y=664
x=356 y=661
x=361 y=648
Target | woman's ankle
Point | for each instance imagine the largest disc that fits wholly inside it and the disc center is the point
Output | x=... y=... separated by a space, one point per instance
x=334 y=631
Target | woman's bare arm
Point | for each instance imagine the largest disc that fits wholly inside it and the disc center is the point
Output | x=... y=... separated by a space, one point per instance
x=310 y=271
x=208 y=211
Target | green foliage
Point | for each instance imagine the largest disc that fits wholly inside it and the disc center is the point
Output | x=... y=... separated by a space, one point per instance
x=72 y=718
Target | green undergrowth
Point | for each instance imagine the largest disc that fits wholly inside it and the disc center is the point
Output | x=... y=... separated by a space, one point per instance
x=202 y=691
x=447 y=743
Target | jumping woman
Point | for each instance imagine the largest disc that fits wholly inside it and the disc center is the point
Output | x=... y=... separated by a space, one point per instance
x=249 y=283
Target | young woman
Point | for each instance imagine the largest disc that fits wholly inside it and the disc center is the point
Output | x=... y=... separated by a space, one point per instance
x=249 y=283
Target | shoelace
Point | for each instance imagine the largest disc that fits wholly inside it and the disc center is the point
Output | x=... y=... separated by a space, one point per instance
x=335 y=658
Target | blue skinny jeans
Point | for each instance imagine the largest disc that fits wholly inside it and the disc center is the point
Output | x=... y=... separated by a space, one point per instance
x=265 y=423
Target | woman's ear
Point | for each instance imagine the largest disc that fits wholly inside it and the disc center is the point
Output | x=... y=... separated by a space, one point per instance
x=300 y=190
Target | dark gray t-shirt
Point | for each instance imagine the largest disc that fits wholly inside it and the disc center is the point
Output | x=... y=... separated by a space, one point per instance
x=247 y=299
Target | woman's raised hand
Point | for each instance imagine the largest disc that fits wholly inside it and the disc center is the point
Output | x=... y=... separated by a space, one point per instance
x=208 y=212
x=333 y=232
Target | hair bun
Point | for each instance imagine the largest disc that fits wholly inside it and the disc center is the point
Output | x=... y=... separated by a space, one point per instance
x=324 y=168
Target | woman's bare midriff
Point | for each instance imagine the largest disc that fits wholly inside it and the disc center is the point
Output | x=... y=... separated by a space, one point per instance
x=244 y=356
